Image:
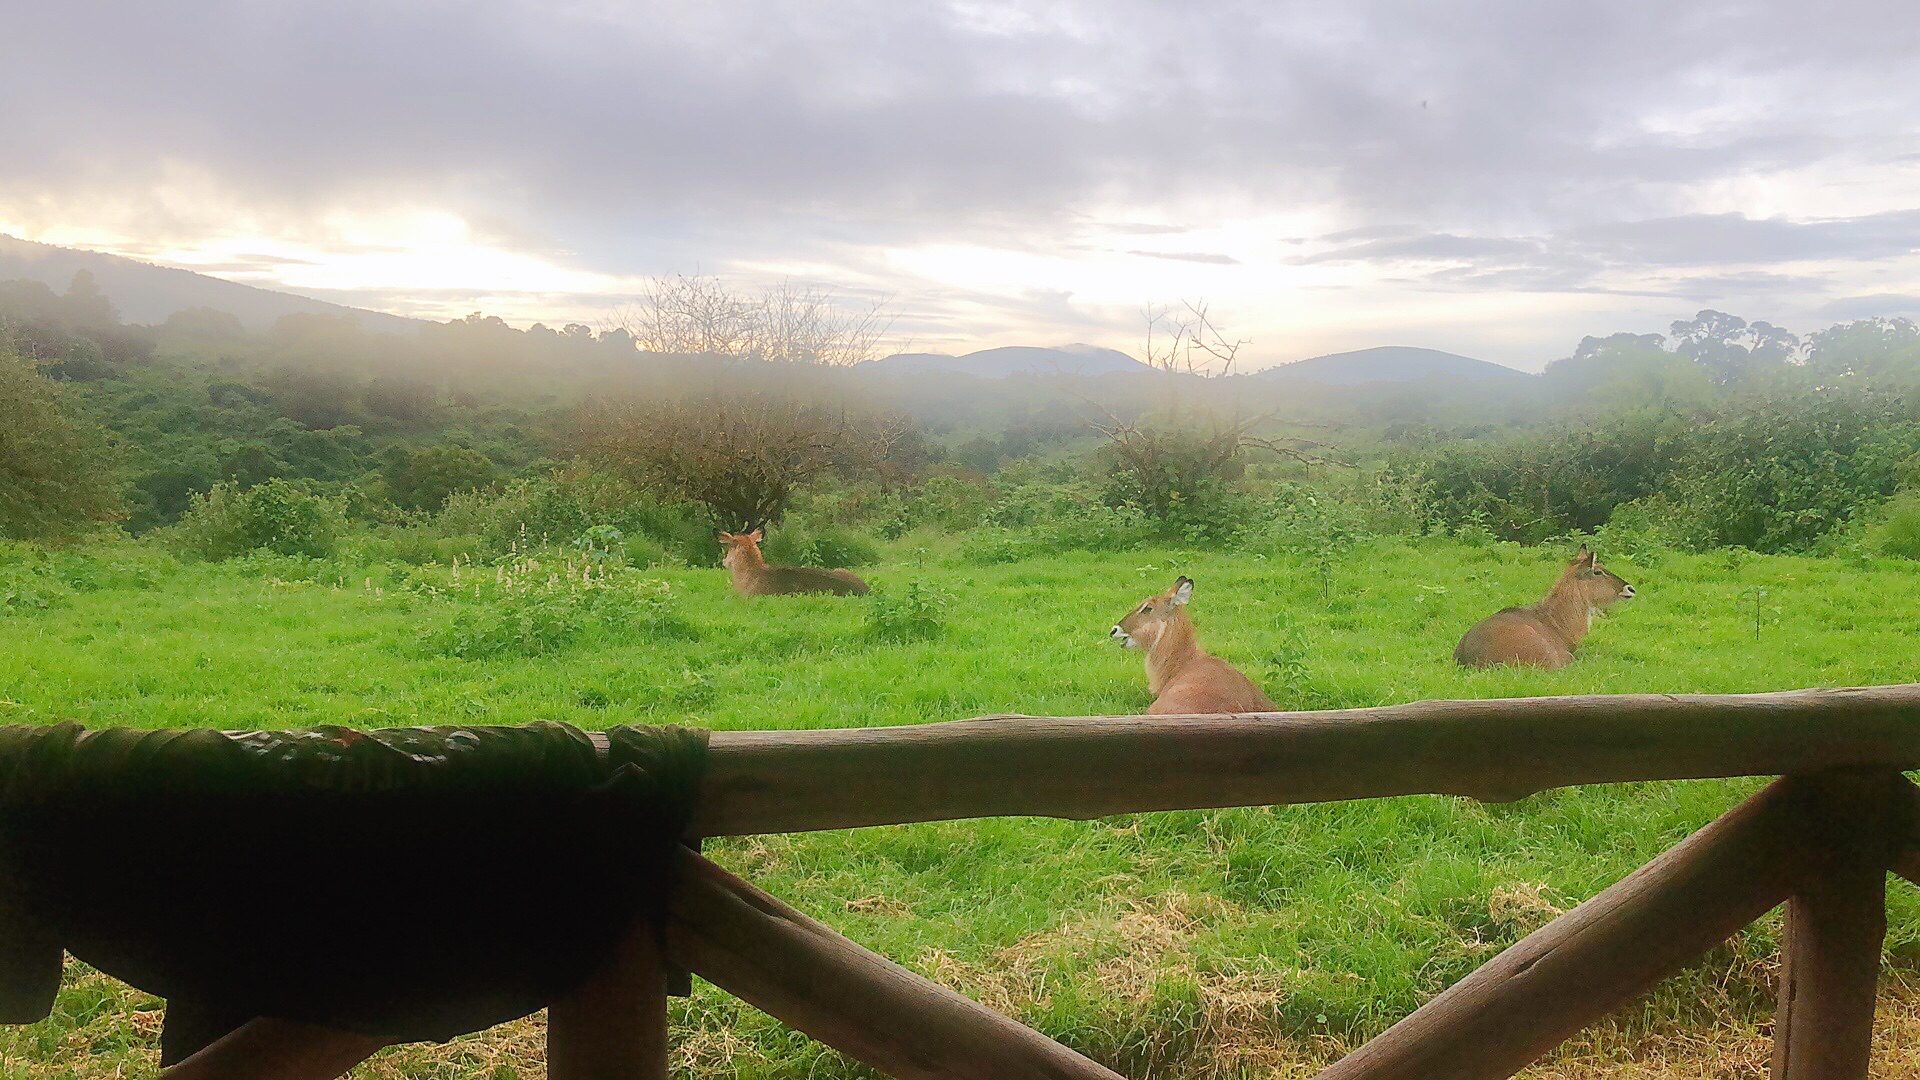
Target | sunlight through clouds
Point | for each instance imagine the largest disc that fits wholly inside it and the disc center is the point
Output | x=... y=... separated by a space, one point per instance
x=1500 y=180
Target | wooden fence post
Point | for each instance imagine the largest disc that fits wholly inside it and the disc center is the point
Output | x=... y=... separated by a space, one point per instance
x=1836 y=922
x=614 y=1026
x=1600 y=955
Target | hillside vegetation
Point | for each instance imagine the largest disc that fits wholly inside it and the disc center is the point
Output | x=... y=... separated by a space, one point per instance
x=477 y=524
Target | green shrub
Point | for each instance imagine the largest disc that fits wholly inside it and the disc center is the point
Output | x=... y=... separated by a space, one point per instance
x=560 y=509
x=57 y=472
x=1895 y=530
x=829 y=546
x=642 y=552
x=1038 y=517
x=90 y=571
x=277 y=517
x=1301 y=520
x=1778 y=475
x=532 y=610
x=515 y=624
x=915 y=613
x=947 y=502
x=424 y=478
x=419 y=546
x=1179 y=469
x=1641 y=530
x=28 y=580
x=1539 y=484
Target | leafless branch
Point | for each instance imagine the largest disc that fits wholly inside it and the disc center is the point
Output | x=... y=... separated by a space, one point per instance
x=788 y=322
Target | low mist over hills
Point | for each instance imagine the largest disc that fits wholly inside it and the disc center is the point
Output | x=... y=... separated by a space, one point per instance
x=1386 y=364
x=147 y=294
x=1015 y=360
x=1390 y=363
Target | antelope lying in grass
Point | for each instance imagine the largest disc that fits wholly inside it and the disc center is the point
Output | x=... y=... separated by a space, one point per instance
x=1182 y=676
x=1545 y=634
x=753 y=577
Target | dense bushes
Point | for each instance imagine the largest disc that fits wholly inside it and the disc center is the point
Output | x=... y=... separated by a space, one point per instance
x=1547 y=483
x=831 y=546
x=278 y=517
x=740 y=441
x=555 y=510
x=57 y=475
x=423 y=478
x=1896 y=529
x=1781 y=475
x=1770 y=474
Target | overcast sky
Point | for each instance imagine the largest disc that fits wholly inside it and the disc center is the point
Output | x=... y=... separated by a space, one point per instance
x=1496 y=179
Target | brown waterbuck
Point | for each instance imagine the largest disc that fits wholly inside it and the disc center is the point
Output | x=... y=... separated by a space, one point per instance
x=752 y=576
x=1183 y=677
x=1545 y=634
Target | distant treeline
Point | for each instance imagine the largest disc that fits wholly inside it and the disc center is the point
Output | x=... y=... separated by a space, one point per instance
x=1725 y=432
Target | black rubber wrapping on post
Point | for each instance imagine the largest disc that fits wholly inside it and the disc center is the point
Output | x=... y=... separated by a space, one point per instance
x=413 y=883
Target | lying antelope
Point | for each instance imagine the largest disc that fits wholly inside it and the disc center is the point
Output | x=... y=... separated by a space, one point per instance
x=1183 y=677
x=1545 y=634
x=753 y=577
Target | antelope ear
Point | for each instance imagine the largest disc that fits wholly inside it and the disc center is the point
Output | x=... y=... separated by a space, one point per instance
x=1583 y=557
x=722 y=536
x=758 y=534
x=1182 y=590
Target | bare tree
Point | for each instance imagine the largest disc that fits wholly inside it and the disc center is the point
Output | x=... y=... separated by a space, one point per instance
x=697 y=315
x=1186 y=341
x=1166 y=459
x=741 y=442
x=1170 y=455
x=807 y=324
x=789 y=322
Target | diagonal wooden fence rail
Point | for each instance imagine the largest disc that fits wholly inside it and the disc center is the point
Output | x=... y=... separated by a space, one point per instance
x=1822 y=839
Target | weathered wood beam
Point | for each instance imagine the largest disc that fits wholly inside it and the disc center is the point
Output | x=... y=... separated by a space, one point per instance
x=1086 y=767
x=278 y=1050
x=1602 y=954
x=614 y=1026
x=1836 y=923
x=803 y=973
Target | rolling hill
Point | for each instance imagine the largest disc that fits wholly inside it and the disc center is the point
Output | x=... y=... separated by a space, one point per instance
x=1015 y=360
x=1389 y=363
x=145 y=293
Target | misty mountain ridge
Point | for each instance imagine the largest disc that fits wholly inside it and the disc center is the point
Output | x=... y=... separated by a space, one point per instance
x=147 y=294
x=1010 y=360
x=1383 y=364
x=1389 y=364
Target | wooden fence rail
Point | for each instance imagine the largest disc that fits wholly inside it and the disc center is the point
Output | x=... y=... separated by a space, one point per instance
x=1822 y=839
x=1096 y=766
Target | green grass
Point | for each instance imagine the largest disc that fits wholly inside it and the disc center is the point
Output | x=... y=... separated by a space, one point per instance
x=1170 y=945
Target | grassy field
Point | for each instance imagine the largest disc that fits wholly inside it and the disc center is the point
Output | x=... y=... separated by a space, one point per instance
x=1235 y=943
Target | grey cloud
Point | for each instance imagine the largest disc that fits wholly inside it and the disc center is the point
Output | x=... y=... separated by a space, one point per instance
x=1722 y=239
x=1526 y=145
x=248 y=264
x=1849 y=308
x=1213 y=257
x=1134 y=228
x=1431 y=246
x=1746 y=284
x=1582 y=258
x=920 y=119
